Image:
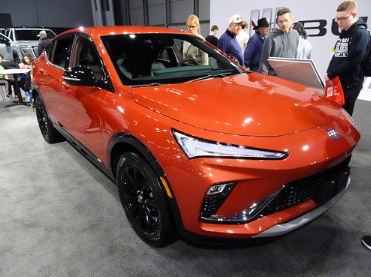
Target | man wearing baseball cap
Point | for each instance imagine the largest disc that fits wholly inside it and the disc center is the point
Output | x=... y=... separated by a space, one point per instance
x=228 y=42
x=44 y=41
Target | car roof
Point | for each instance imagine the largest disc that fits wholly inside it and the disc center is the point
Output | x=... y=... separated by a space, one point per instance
x=28 y=28
x=109 y=30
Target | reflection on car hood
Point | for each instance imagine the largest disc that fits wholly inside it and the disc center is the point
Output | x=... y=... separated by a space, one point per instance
x=246 y=104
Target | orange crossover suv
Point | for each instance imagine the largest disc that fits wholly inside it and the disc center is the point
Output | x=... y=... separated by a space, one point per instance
x=197 y=146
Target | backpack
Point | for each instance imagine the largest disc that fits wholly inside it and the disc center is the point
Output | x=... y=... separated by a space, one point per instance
x=366 y=62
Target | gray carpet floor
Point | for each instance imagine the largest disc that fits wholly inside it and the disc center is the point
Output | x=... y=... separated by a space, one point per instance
x=60 y=216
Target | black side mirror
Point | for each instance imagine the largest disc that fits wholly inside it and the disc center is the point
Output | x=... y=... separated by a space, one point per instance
x=83 y=76
x=4 y=41
x=80 y=76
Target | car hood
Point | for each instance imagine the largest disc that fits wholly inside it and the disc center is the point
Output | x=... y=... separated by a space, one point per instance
x=28 y=42
x=247 y=104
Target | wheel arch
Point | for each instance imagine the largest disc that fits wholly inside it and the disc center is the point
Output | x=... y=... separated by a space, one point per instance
x=123 y=142
x=35 y=91
x=16 y=57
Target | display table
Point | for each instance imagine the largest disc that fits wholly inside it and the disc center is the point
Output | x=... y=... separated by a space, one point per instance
x=15 y=72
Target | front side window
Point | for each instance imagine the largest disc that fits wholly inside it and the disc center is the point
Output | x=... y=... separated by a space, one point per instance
x=148 y=59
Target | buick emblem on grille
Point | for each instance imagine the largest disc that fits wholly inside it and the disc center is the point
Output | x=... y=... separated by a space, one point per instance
x=333 y=134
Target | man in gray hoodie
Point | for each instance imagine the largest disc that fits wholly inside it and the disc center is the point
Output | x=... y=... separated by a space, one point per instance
x=281 y=42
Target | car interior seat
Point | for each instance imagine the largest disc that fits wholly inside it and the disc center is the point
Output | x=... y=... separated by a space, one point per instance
x=89 y=61
x=120 y=63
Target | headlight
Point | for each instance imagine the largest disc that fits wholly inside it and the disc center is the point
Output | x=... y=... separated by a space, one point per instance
x=195 y=147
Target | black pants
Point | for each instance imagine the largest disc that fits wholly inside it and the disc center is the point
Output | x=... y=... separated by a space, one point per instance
x=351 y=93
x=10 y=84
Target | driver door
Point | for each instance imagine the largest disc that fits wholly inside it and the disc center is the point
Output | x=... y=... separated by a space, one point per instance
x=83 y=106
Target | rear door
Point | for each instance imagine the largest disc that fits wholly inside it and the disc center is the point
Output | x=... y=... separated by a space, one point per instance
x=49 y=75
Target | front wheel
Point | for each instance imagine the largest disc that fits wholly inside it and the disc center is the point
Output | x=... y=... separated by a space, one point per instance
x=16 y=59
x=50 y=134
x=144 y=200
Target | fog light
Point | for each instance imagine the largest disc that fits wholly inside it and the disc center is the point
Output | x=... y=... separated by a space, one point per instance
x=212 y=203
x=214 y=199
x=215 y=189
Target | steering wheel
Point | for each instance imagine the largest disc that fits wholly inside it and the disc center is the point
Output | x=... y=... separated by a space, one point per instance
x=184 y=61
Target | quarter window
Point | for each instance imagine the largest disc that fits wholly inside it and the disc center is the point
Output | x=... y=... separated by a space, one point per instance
x=62 y=50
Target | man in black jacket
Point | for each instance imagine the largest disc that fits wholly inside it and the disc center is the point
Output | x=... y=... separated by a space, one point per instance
x=44 y=41
x=212 y=36
x=350 y=49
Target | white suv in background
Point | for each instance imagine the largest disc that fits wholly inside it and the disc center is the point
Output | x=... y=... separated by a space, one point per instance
x=26 y=39
x=8 y=50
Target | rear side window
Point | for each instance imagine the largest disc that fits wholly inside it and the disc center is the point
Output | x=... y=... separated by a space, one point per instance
x=60 y=51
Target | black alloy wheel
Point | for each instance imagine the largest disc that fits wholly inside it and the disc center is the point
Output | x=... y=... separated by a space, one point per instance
x=50 y=134
x=144 y=200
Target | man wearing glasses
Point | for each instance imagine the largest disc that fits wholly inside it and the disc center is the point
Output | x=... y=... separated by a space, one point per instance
x=350 y=49
x=281 y=42
x=228 y=42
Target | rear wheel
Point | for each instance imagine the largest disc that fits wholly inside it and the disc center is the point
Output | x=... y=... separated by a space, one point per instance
x=17 y=60
x=144 y=200
x=50 y=134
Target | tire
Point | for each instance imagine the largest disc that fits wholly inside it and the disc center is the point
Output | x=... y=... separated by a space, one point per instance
x=50 y=134
x=144 y=201
x=16 y=59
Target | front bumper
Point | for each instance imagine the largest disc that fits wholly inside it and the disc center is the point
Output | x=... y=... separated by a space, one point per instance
x=284 y=228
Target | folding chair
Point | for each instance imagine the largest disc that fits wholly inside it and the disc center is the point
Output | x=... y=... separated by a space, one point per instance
x=3 y=90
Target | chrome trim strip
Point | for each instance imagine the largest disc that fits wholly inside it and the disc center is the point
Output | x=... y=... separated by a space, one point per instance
x=282 y=229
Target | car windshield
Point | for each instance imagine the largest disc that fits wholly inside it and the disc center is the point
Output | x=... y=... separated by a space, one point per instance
x=27 y=34
x=152 y=59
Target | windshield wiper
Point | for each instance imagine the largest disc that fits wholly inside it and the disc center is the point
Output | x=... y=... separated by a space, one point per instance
x=146 y=85
x=209 y=76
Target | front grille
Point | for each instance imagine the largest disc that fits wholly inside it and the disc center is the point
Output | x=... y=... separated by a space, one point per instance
x=210 y=206
x=320 y=188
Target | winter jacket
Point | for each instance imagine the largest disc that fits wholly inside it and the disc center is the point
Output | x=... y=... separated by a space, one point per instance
x=350 y=49
x=278 y=44
x=253 y=51
x=229 y=45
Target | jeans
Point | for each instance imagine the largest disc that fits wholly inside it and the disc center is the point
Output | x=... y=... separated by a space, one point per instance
x=254 y=67
x=351 y=93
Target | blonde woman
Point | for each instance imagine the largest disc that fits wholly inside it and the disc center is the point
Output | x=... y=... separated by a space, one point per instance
x=190 y=51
